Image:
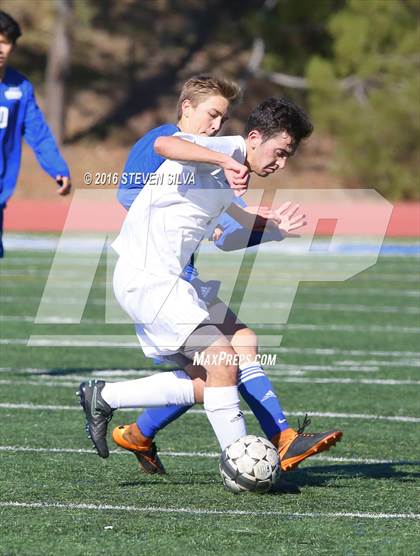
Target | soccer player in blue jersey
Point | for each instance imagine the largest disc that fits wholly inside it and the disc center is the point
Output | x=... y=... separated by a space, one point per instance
x=20 y=117
x=203 y=106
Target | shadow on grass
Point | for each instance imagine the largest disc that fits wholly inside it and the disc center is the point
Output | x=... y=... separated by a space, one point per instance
x=326 y=474
x=68 y=371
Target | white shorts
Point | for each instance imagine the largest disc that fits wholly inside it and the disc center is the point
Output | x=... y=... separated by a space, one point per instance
x=165 y=308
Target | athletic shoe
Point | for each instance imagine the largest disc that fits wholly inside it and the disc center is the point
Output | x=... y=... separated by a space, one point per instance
x=145 y=452
x=98 y=414
x=296 y=446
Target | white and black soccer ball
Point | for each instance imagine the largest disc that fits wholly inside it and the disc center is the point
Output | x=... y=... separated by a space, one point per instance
x=249 y=464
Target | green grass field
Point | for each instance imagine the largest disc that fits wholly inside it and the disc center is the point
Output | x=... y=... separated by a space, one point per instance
x=349 y=357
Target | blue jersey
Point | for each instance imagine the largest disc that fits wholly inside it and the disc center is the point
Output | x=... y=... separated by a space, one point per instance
x=20 y=117
x=142 y=161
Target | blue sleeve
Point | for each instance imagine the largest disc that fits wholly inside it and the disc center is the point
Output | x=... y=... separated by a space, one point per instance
x=235 y=236
x=142 y=161
x=38 y=135
x=241 y=238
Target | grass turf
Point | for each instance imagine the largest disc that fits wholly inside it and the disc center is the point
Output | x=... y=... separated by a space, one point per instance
x=187 y=510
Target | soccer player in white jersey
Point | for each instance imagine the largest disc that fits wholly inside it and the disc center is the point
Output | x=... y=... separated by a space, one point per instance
x=163 y=228
x=202 y=107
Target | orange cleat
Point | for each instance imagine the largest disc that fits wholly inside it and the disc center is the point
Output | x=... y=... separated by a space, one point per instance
x=130 y=438
x=296 y=446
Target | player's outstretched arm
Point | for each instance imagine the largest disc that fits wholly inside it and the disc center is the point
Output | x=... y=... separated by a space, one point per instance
x=38 y=135
x=175 y=148
x=254 y=221
x=272 y=225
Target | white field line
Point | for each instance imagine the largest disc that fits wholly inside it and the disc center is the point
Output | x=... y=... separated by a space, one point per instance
x=377 y=382
x=286 y=370
x=49 y=341
x=293 y=259
x=340 y=328
x=342 y=307
x=299 y=270
x=95 y=341
x=315 y=368
x=129 y=342
x=204 y=511
x=306 y=291
x=210 y=455
x=50 y=300
x=375 y=363
x=283 y=370
x=275 y=378
x=338 y=351
x=45 y=373
x=362 y=416
x=49 y=320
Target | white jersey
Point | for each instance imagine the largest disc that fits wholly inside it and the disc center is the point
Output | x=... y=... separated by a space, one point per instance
x=178 y=207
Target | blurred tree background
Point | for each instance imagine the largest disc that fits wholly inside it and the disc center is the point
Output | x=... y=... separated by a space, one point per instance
x=106 y=71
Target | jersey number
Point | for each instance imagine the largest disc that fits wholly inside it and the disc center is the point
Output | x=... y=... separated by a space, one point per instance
x=4 y=116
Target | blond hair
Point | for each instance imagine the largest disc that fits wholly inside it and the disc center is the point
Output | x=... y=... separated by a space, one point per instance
x=201 y=86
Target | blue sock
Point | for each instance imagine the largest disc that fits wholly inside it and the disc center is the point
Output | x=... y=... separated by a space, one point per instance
x=154 y=419
x=258 y=392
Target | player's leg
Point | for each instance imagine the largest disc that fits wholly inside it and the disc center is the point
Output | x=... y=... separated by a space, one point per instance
x=138 y=437
x=220 y=396
x=253 y=384
x=255 y=387
x=99 y=400
x=221 y=399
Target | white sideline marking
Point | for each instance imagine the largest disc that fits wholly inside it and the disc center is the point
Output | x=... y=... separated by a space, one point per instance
x=308 y=290
x=357 y=367
x=377 y=381
x=119 y=452
x=304 y=306
x=127 y=342
x=340 y=328
x=204 y=511
x=337 y=351
x=376 y=363
x=333 y=307
x=280 y=376
x=398 y=418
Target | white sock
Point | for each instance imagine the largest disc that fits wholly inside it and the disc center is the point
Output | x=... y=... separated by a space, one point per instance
x=222 y=410
x=175 y=388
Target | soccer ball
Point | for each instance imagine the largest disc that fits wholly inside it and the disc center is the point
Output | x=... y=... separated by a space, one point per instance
x=249 y=464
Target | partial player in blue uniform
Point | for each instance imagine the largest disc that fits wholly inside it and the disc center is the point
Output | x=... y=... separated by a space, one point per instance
x=20 y=117
x=254 y=385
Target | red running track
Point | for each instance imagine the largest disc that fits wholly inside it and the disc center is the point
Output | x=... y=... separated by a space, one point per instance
x=50 y=216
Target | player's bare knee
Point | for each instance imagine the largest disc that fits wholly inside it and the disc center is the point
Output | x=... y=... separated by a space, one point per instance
x=245 y=341
x=221 y=363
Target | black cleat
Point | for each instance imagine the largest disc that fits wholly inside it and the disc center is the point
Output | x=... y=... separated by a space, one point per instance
x=98 y=414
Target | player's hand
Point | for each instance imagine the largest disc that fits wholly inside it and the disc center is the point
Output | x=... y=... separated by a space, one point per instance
x=237 y=175
x=287 y=219
x=217 y=234
x=64 y=184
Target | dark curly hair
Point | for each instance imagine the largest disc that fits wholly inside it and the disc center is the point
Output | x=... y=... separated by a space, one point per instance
x=274 y=115
x=9 y=27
